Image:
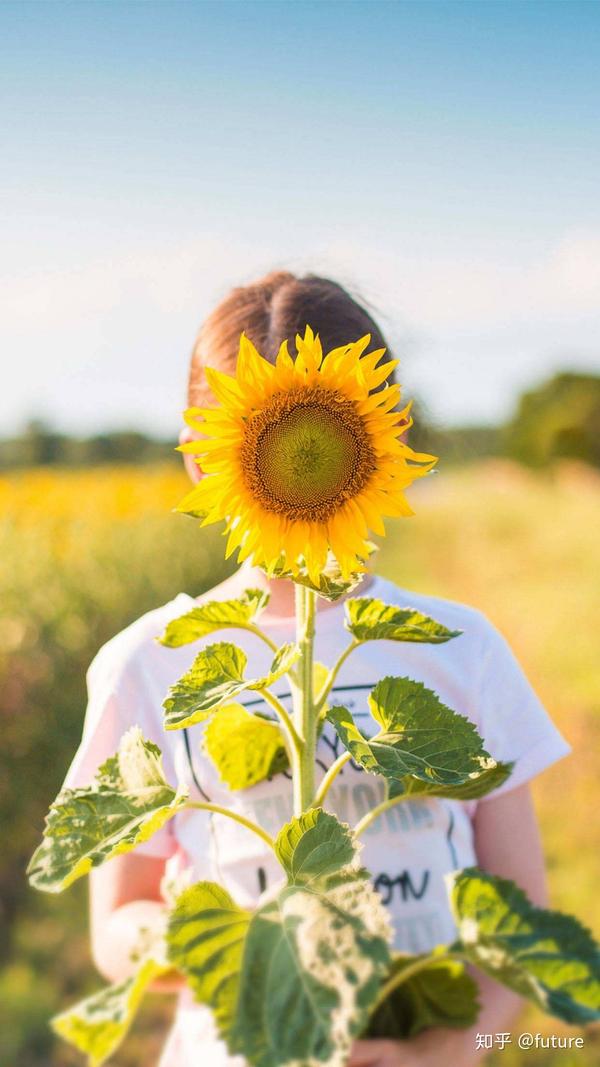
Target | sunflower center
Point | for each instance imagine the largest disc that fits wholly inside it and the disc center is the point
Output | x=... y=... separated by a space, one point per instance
x=306 y=453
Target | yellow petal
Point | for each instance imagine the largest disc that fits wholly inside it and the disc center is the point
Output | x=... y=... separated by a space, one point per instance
x=370 y=361
x=371 y=513
x=379 y=375
x=252 y=370
x=225 y=388
x=310 y=354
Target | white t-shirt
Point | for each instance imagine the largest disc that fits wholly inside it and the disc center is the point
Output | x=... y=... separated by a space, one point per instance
x=408 y=850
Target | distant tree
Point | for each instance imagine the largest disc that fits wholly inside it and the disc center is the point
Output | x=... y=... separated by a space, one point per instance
x=560 y=419
x=122 y=446
x=41 y=446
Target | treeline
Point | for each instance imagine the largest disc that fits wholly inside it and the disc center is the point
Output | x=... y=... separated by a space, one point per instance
x=559 y=419
x=39 y=445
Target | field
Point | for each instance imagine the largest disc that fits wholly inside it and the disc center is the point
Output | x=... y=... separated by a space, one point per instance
x=83 y=553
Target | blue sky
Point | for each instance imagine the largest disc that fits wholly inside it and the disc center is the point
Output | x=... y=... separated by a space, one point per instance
x=441 y=159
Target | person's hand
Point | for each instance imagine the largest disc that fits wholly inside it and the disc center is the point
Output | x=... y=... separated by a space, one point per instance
x=382 y=1053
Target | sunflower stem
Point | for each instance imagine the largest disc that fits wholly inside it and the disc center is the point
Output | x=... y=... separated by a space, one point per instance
x=407 y=972
x=216 y=809
x=256 y=630
x=368 y=819
x=290 y=730
x=331 y=677
x=330 y=777
x=305 y=714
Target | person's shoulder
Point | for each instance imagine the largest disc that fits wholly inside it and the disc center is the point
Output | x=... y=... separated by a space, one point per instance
x=127 y=652
x=452 y=613
x=133 y=653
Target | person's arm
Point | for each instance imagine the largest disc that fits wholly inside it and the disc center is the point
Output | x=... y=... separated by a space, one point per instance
x=125 y=908
x=507 y=843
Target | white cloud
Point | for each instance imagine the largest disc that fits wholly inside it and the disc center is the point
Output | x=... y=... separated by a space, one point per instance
x=98 y=336
x=572 y=273
x=453 y=291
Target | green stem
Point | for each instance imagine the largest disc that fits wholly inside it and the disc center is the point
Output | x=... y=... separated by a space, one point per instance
x=331 y=677
x=284 y=718
x=370 y=817
x=332 y=773
x=305 y=716
x=256 y=630
x=216 y=809
x=407 y=972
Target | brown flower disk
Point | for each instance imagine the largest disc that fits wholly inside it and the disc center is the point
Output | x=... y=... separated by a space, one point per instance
x=305 y=453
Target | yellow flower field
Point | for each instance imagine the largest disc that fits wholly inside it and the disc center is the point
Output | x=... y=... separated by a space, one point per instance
x=85 y=552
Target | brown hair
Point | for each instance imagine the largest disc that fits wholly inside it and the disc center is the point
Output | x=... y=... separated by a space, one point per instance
x=272 y=310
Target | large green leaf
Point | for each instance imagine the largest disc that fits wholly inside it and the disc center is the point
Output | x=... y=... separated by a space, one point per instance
x=245 y=748
x=420 y=736
x=369 y=619
x=216 y=677
x=300 y=988
x=129 y=800
x=543 y=955
x=442 y=994
x=97 y=1026
x=477 y=785
x=314 y=846
x=206 y=937
x=214 y=615
x=313 y=963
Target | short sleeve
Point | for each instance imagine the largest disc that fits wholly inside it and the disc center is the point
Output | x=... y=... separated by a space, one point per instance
x=514 y=724
x=117 y=702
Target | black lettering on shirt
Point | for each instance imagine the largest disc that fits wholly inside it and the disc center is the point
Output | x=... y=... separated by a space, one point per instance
x=386 y=885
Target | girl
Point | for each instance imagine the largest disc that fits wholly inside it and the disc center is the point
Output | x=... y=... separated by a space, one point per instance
x=408 y=850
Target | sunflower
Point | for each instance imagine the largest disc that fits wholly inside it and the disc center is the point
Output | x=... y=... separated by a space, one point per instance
x=304 y=456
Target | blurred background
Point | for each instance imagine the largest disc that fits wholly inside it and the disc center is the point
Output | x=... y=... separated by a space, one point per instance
x=439 y=159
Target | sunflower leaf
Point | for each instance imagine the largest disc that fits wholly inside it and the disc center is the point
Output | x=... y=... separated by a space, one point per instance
x=313 y=846
x=479 y=784
x=205 y=938
x=127 y=803
x=244 y=748
x=291 y=982
x=369 y=619
x=216 y=677
x=284 y=660
x=543 y=955
x=420 y=736
x=331 y=584
x=97 y=1025
x=313 y=962
x=444 y=746
x=214 y=615
x=442 y=994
